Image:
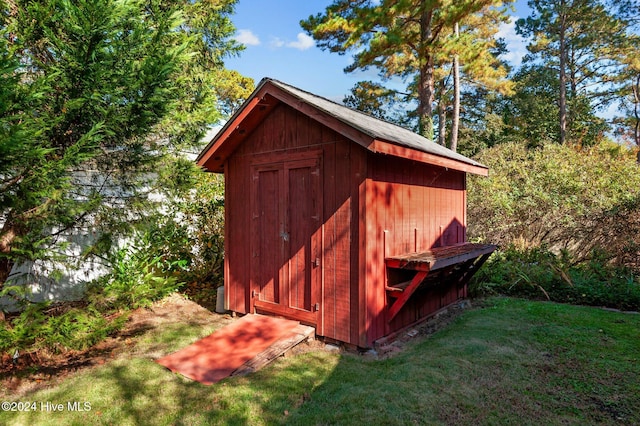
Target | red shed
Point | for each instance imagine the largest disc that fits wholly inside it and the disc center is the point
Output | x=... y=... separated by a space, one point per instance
x=338 y=219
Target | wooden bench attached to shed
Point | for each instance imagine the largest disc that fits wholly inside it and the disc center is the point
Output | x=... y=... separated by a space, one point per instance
x=455 y=264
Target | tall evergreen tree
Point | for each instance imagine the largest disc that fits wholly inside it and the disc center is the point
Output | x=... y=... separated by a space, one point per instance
x=628 y=11
x=412 y=40
x=579 y=40
x=95 y=97
x=380 y=102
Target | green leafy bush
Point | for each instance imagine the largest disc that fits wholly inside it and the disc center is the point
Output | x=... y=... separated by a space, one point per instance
x=42 y=327
x=189 y=236
x=182 y=244
x=136 y=280
x=79 y=328
x=538 y=273
x=560 y=197
x=568 y=220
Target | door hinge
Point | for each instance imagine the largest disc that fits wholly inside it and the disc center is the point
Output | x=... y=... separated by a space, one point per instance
x=316 y=262
x=316 y=307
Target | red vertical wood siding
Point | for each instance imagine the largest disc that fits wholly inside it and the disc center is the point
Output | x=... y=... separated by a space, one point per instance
x=337 y=231
x=357 y=169
x=266 y=245
x=237 y=220
x=410 y=206
x=300 y=256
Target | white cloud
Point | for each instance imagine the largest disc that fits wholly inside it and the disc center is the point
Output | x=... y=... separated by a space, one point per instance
x=247 y=37
x=516 y=45
x=303 y=42
x=276 y=42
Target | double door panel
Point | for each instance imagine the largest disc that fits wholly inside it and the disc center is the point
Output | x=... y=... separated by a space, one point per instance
x=285 y=235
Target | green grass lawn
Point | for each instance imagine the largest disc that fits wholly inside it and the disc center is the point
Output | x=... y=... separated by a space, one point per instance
x=506 y=362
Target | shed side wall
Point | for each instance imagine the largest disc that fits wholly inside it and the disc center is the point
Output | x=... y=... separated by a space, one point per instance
x=411 y=207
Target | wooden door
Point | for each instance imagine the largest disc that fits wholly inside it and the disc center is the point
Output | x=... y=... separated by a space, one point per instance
x=285 y=234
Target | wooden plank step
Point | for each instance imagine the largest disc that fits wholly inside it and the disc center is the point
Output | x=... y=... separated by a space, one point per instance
x=217 y=355
x=277 y=349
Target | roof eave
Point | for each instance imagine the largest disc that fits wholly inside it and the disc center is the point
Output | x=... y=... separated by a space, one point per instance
x=212 y=163
x=383 y=147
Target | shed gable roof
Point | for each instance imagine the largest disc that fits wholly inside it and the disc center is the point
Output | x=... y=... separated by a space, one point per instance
x=376 y=135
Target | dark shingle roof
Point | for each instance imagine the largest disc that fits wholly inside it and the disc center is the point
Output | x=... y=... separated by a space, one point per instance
x=373 y=130
x=374 y=127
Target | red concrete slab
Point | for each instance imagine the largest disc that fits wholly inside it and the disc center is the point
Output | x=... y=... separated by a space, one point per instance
x=216 y=356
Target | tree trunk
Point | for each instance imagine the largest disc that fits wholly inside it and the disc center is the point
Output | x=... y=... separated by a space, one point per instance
x=442 y=118
x=5 y=269
x=572 y=93
x=426 y=84
x=636 y=111
x=562 y=103
x=455 y=119
x=7 y=236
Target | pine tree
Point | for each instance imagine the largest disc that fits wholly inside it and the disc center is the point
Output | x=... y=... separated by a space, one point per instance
x=411 y=40
x=96 y=96
x=628 y=11
x=578 y=39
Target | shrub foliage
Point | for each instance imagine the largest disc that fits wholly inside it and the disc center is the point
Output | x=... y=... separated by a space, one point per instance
x=537 y=273
x=181 y=247
x=567 y=221
x=578 y=200
x=189 y=237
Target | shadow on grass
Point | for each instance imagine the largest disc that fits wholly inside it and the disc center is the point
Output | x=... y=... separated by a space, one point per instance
x=512 y=362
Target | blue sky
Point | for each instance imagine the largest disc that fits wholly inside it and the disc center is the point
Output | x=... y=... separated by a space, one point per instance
x=277 y=47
